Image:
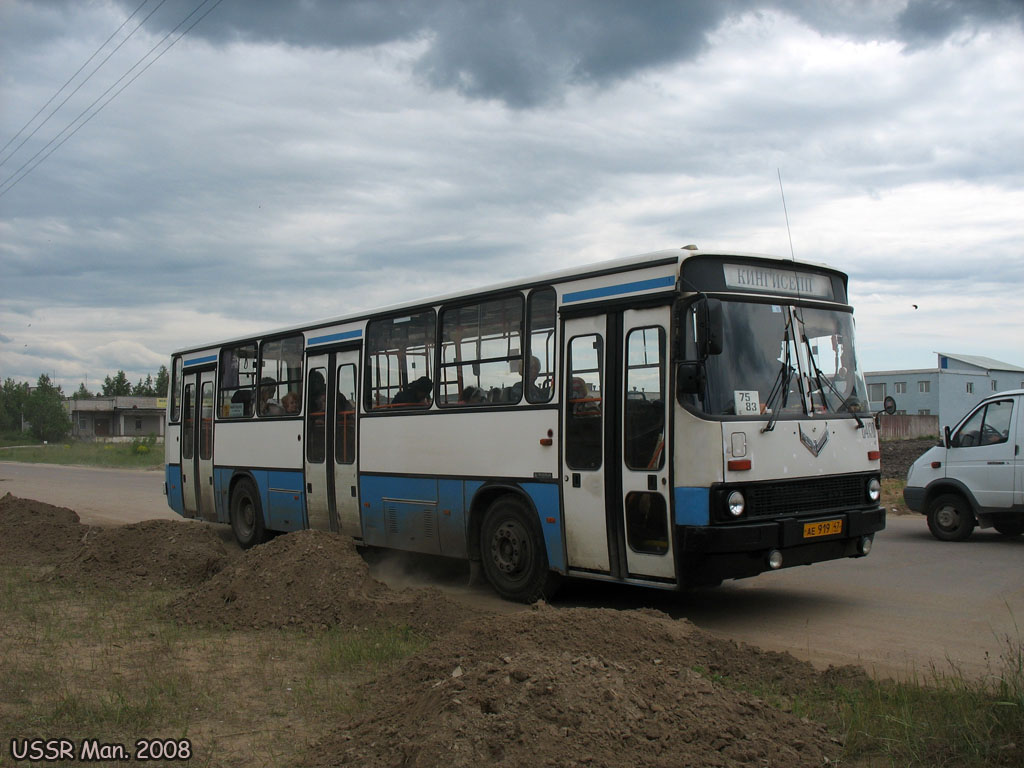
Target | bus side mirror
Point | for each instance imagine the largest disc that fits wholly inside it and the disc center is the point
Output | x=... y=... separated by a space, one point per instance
x=709 y=327
x=889 y=405
x=690 y=378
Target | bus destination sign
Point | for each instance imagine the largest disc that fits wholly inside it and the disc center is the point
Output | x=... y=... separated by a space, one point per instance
x=748 y=277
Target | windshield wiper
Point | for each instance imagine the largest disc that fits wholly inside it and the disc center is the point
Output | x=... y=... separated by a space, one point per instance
x=780 y=387
x=822 y=381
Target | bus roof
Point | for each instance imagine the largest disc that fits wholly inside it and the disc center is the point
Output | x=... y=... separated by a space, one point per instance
x=559 y=276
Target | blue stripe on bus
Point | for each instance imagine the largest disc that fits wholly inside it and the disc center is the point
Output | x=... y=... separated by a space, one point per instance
x=200 y=360
x=172 y=474
x=692 y=505
x=344 y=335
x=618 y=290
x=430 y=514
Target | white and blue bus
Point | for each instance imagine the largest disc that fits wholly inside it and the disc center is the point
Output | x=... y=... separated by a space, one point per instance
x=671 y=420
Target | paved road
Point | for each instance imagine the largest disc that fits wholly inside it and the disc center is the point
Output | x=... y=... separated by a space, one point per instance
x=913 y=605
x=99 y=496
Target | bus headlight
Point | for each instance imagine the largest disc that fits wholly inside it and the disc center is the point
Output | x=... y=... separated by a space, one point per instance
x=736 y=504
x=874 y=489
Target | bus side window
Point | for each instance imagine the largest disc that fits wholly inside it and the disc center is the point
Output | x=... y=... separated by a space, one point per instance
x=345 y=419
x=175 y=392
x=316 y=416
x=399 y=361
x=188 y=423
x=541 y=352
x=645 y=407
x=237 y=381
x=280 y=392
x=481 y=352
x=583 y=423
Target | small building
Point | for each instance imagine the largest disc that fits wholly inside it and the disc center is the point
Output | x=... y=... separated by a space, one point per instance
x=948 y=391
x=116 y=417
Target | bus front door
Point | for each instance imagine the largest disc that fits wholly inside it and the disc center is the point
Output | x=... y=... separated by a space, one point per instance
x=197 y=446
x=332 y=498
x=614 y=457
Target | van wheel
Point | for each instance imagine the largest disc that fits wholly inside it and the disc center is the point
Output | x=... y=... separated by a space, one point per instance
x=1012 y=528
x=247 y=515
x=512 y=551
x=949 y=518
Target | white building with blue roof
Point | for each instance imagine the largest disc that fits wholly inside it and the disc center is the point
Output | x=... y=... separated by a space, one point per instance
x=948 y=391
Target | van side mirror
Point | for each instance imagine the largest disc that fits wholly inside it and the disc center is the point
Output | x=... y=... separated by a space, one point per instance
x=709 y=327
x=948 y=442
x=889 y=405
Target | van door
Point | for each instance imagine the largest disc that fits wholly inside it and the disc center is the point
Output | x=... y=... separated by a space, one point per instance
x=982 y=453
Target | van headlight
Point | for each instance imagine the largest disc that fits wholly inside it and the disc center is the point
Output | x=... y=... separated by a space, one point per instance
x=736 y=504
x=874 y=490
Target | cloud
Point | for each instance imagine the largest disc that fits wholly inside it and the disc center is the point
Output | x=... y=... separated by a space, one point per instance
x=531 y=52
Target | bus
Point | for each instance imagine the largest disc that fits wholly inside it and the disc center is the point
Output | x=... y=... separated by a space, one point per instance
x=672 y=420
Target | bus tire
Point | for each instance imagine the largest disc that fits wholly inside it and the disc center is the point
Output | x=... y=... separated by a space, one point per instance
x=950 y=518
x=512 y=551
x=247 y=515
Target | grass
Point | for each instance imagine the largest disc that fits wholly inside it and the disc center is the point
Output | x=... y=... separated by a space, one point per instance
x=941 y=718
x=144 y=453
x=91 y=662
x=892 y=494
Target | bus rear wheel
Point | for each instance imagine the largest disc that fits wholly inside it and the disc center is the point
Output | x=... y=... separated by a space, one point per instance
x=247 y=515
x=512 y=549
x=949 y=518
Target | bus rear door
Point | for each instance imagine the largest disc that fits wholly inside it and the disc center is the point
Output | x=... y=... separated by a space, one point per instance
x=197 y=445
x=332 y=497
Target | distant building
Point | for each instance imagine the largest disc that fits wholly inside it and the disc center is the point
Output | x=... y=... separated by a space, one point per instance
x=948 y=391
x=103 y=417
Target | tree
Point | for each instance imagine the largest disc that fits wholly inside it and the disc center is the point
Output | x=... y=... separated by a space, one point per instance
x=82 y=393
x=144 y=388
x=44 y=408
x=13 y=395
x=162 y=382
x=119 y=385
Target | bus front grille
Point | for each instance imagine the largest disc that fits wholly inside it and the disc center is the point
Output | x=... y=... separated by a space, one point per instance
x=796 y=497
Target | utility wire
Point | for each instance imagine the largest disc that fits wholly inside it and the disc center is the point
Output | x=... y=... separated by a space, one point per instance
x=10 y=182
x=79 y=86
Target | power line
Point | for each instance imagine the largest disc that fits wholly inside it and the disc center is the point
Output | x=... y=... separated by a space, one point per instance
x=10 y=182
x=55 y=95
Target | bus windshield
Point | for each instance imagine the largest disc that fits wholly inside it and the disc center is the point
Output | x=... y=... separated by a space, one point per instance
x=784 y=361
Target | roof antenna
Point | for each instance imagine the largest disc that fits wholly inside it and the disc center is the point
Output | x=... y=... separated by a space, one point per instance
x=788 y=231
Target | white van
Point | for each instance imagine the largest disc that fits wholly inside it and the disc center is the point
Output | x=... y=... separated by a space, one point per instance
x=975 y=476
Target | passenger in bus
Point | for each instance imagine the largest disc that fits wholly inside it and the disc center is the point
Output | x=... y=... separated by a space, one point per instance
x=415 y=393
x=534 y=393
x=268 y=404
x=290 y=403
x=472 y=395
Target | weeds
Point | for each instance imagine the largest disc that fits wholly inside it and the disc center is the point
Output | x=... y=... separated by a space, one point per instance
x=143 y=453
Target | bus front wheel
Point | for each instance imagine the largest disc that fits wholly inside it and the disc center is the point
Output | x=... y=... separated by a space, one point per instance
x=512 y=550
x=247 y=515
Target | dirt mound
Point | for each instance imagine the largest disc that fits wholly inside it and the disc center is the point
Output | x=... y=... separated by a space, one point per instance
x=34 y=533
x=898 y=455
x=164 y=553
x=580 y=686
x=312 y=579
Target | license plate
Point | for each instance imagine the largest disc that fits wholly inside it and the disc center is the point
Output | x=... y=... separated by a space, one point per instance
x=824 y=528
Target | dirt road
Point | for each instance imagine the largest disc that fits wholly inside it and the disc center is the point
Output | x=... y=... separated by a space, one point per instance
x=914 y=604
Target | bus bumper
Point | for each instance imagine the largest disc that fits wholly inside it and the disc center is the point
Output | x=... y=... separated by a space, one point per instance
x=709 y=554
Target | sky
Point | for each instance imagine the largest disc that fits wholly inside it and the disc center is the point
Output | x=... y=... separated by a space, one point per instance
x=181 y=172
